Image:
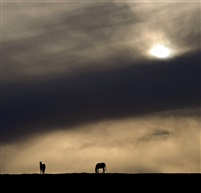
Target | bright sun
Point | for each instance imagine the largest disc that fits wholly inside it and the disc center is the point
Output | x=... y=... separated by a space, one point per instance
x=160 y=51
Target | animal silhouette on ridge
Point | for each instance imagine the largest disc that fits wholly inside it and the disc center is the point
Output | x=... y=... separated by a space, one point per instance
x=102 y=166
x=42 y=167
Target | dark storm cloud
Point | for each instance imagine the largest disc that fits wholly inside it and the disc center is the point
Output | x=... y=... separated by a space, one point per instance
x=37 y=106
x=63 y=66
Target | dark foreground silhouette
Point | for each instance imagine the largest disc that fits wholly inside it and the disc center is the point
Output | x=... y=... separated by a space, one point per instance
x=106 y=182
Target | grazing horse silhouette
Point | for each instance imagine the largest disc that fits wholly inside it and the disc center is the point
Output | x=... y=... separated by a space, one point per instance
x=100 y=166
x=42 y=167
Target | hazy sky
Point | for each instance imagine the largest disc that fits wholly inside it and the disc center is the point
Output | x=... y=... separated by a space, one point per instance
x=81 y=84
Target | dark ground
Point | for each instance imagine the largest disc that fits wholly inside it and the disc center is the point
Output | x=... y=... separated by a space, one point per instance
x=108 y=182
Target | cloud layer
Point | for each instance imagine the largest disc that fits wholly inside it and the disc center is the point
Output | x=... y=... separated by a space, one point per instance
x=53 y=40
x=165 y=142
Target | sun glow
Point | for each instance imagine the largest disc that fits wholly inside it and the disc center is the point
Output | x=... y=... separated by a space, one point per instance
x=160 y=51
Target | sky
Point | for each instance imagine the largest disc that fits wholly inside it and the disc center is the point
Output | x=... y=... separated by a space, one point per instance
x=110 y=81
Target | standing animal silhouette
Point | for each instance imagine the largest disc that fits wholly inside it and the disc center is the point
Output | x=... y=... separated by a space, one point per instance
x=42 y=167
x=102 y=166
